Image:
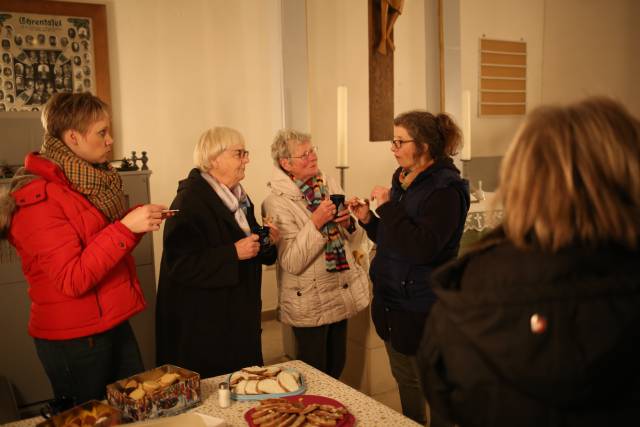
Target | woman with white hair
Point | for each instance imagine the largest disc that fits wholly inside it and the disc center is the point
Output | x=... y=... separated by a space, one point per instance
x=209 y=288
x=320 y=284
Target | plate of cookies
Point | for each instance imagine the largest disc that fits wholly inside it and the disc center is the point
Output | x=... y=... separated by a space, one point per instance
x=265 y=382
x=296 y=411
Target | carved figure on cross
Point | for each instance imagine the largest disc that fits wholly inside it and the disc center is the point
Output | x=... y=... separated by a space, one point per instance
x=389 y=12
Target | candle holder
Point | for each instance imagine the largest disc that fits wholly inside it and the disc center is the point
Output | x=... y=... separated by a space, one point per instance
x=342 y=169
x=465 y=168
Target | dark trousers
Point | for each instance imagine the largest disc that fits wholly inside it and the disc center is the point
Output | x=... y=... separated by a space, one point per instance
x=81 y=368
x=323 y=347
x=405 y=371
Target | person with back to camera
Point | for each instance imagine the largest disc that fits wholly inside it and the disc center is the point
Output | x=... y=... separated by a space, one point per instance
x=66 y=216
x=320 y=285
x=539 y=324
x=418 y=227
x=208 y=316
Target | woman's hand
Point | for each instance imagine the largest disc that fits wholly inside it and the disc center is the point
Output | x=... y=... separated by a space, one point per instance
x=274 y=233
x=144 y=218
x=380 y=194
x=360 y=209
x=343 y=218
x=324 y=213
x=248 y=247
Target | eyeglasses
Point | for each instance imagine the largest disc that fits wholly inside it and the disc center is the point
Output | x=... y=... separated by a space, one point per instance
x=306 y=154
x=240 y=153
x=397 y=143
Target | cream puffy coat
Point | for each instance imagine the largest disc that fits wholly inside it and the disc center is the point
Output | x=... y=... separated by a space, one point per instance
x=309 y=295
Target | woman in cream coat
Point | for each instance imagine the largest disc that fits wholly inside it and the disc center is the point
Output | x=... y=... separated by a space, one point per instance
x=320 y=284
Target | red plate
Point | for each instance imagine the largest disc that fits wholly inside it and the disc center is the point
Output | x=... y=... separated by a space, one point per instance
x=347 y=421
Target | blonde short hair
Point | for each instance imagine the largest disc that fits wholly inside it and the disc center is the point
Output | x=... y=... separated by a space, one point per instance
x=572 y=176
x=77 y=111
x=212 y=142
x=283 y=143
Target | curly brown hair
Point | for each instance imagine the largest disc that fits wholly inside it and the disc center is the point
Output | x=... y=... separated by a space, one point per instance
x=437 y=134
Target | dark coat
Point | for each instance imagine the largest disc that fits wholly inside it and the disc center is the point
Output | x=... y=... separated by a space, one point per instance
x=208 y=309
x=484 y=362
x=418 y=230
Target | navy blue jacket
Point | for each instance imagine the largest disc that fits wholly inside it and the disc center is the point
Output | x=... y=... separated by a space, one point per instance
x=417 y=231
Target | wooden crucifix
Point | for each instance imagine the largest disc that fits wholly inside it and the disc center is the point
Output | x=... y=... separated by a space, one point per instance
x=382 y=17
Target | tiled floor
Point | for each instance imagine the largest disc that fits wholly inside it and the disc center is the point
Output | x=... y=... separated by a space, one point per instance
x=273 y=352
x=272 y=347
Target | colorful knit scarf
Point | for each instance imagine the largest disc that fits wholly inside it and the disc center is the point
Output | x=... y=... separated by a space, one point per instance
x=101 y=184
x=407 y=175
x=314 y=192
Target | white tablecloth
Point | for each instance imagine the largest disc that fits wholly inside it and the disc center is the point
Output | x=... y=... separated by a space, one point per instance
x=484 y=214
x=367 y=411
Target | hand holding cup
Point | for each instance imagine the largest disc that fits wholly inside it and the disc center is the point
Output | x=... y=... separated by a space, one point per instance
x=325 y=212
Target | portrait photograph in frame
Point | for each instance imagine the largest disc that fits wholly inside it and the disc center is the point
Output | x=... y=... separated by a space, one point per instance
x=48 y=47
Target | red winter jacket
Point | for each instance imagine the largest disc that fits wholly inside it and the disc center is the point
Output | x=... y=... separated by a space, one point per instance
x=82 y=278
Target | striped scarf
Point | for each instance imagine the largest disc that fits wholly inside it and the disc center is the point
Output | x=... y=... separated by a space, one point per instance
x=314 y=192
x=100 y=184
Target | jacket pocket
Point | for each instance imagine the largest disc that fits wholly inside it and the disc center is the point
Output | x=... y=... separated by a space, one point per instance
x=299 y=301
x=359 y=289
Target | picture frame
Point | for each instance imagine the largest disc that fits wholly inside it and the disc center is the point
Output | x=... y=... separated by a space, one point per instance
x=80 y=60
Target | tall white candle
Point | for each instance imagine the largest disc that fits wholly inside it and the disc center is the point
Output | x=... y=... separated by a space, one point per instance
x=465 y=154
x=342 y=126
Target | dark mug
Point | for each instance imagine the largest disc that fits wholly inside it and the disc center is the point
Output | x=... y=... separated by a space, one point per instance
x=56 y=406
x=338 y=200
x=263 y=237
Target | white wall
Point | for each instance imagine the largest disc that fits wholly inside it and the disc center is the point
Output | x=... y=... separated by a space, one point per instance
x=338 y=55
x=592 y=47
x=575 y=48
x=503 y=20
x=178 y=68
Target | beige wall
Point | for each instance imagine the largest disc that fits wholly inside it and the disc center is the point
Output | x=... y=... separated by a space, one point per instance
x=178 y=68
x=575 y=48
x=338 y=56
x=592 y=47
x=503 y=20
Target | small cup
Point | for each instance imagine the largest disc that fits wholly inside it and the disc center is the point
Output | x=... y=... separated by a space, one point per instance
x=263 y=237
x=338 y=200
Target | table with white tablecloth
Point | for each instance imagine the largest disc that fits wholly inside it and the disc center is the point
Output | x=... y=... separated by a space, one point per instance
x=367 y=411
x=483 y=216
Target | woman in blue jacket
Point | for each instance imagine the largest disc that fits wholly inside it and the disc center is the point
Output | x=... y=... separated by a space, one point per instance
x=417 y=228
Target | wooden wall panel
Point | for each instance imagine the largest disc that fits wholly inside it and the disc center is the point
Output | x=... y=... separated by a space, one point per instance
x=500 y=85
x=503 y=77
x=502 y=110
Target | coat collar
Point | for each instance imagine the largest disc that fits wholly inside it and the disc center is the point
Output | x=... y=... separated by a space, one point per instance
x=211 y=199
x=282 y=185
x=443 y=163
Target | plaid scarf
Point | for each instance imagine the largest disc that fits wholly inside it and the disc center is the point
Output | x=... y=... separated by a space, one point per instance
x=314 y=192
x=101 y=184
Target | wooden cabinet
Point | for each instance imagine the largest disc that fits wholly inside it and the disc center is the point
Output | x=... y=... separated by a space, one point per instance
x=19 y=362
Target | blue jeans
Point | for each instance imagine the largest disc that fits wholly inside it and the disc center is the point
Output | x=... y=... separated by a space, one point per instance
x=81 y=368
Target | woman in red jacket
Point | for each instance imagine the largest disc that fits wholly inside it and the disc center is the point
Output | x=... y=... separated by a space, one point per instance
x=67 y=218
